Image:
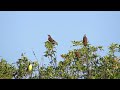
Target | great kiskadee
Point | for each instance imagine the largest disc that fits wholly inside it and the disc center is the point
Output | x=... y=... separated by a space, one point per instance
x=30 y=67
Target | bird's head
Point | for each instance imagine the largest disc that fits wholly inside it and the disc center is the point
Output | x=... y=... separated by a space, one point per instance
x=48 y=35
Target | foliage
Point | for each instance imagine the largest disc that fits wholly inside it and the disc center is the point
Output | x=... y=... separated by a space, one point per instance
x=82 y=62
x=6 y=70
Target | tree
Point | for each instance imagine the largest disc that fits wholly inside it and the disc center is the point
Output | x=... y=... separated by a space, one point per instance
x=81 y=62
x=6 y=70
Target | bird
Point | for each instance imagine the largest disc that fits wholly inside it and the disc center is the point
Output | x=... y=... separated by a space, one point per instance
x=30 y=67
x=85 y=40
x=77 y=54
x=52 y=40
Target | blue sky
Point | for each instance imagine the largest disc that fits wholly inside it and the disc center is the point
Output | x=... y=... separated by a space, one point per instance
x=22 y=31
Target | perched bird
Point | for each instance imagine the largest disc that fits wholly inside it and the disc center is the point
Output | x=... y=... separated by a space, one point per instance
x=85 y=40
x=52 y=40
x=30 y=67
x=77 y=54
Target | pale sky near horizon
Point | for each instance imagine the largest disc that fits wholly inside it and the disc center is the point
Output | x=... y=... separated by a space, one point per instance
x=22 y=31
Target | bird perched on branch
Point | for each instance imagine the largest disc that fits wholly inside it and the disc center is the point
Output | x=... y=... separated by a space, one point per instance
x=77 y=54
x=85 y=40
x=52 y=40
x=30 y=67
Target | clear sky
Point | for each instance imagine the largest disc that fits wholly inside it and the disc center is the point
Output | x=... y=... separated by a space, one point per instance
x=22 y=31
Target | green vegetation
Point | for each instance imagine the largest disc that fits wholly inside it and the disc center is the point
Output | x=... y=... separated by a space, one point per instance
x=82 y=62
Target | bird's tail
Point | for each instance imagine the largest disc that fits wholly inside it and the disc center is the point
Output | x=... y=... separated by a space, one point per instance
x=55 y=43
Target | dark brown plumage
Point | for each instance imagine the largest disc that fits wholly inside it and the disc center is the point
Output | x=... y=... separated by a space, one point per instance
x=85 y=40
x=51 y=40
